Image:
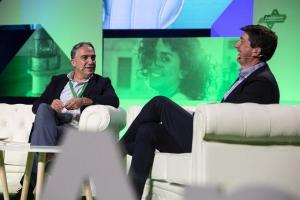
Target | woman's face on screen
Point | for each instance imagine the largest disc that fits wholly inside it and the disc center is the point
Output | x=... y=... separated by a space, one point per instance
x=165 y=72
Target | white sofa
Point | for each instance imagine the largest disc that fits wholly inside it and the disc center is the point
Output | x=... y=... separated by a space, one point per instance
x=234 y=145
x=15 y=125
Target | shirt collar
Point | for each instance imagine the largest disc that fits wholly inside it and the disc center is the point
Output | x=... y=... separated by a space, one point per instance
x=245 y=72
x=70 y=76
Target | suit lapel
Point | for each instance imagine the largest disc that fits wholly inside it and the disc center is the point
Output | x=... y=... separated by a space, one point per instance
x=89 y=85
x=236 y=91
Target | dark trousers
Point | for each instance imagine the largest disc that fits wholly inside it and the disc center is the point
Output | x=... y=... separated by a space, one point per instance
x=161 y=125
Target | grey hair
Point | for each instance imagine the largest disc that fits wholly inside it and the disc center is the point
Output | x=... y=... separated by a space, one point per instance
x=77 y=46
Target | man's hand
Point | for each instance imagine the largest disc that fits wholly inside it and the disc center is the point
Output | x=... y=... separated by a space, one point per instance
x=57 y=105
x=74 y=103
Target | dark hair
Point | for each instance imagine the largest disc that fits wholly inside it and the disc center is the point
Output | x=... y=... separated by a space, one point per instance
x=77 y=46
x=192 y=62
x=262 y=37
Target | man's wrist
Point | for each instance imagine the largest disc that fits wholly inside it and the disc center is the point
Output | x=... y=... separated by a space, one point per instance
x=86 y=101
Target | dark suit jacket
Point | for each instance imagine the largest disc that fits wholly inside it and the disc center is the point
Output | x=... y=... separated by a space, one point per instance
x=260 y=87
x=99 y=89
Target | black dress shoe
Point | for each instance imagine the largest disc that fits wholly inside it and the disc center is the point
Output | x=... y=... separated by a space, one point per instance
x=30 y=195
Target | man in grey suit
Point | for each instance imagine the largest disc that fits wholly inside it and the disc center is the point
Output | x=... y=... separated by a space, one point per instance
x=165 y=126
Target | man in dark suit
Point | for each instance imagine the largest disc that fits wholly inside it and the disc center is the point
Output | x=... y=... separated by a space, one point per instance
x=165 y=126
x=66 y=96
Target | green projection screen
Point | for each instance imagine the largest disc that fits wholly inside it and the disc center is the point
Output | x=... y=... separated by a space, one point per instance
x=283 y=18
x=189 y=70
x=29 y=71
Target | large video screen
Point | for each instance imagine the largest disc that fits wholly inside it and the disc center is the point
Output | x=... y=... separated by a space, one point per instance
x=185 y=69
x=30 y=59
x=158 y=14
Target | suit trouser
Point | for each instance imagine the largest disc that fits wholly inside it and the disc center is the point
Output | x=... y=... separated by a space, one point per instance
x=161 y=125
x=47 y=130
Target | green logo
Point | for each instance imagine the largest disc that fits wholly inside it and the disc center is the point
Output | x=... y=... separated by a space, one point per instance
x=273 y=18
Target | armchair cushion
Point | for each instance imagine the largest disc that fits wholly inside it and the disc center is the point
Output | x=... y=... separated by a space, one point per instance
x=15 y=121
x=172 y=168
x=15 y=125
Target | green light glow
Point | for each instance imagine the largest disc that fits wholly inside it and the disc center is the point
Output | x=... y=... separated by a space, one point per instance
x=31 y=69
x=284 y=62
x=214 y=59
x=67 y=22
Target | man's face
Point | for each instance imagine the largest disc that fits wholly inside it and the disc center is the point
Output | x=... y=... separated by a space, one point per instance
x=246 y=54
x=84 y=62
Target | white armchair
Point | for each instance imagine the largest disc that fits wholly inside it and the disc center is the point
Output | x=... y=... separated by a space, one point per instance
x=233 y=145
x=15 y=125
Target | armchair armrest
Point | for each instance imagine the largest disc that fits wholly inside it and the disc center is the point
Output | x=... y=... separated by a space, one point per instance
x=248 y=123
x=98 y=118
